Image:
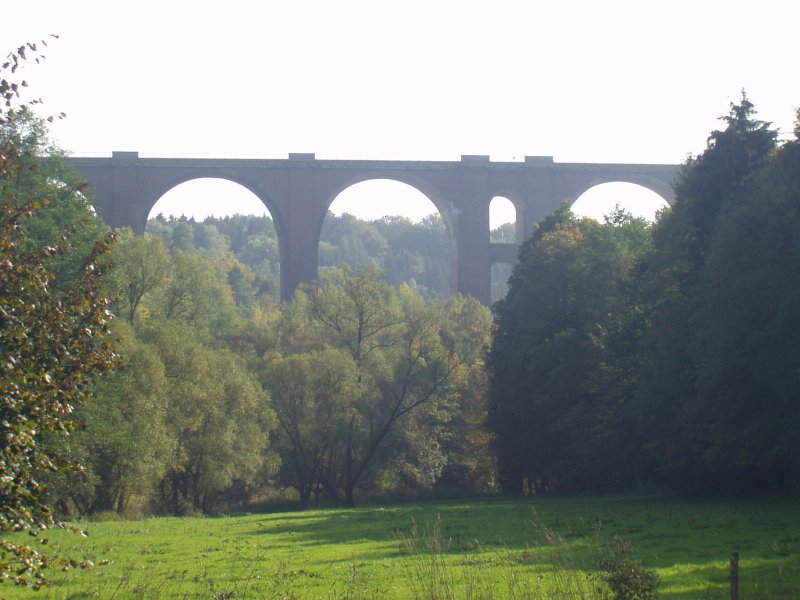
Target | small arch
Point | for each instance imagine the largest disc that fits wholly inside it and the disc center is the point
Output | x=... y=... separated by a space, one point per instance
x=502 y=221
x=499 y=274
x=602 y=199
x=394 y=225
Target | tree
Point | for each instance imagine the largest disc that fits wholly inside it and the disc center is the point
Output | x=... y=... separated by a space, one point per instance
x=504 y=234
x=64 y=211
x=413 y=374
x=746 y=335
x=310 y=393
x=351 y=241
x=217 y=418
x=708 y=182
x=550 y=415
x=123 y=436
x=53 y=346
x=142 y=263
x=418 y=252
x=471 y=463
x=183 y=426
x=404 y=364
x=672 y=288
x=356 y=310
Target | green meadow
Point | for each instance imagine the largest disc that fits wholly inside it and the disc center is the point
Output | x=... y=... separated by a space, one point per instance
x=484 y=548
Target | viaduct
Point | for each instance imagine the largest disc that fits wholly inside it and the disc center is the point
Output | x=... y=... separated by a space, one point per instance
x=298 y=191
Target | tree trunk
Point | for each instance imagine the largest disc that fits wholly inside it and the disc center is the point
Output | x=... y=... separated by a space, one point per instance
x=305 y=497
x=349 y=500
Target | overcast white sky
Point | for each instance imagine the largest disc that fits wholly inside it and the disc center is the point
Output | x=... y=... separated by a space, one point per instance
x=583 y=81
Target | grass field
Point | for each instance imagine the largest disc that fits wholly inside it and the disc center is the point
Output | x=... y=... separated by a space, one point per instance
x=487 y=548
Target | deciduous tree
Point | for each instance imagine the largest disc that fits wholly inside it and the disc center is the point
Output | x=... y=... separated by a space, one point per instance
x=52 y=342
x=407 y=359
x=550 y=415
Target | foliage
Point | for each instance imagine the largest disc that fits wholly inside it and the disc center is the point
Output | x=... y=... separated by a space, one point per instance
x=124 y=438
x=467 y=442
x=504 y=234
x=53 y=340
x=693 y=296
x=398 y=367
x=218 y=420
x=310 y=394
x=624 y=576
x=140 y=267
x=626 y=357
x=345 y=367
x=552 y=407
x=183 y=426
x=417 y=254
x=747 y=319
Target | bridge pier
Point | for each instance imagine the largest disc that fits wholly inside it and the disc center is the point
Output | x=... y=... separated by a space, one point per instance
x=472 y=247
x=298 y=234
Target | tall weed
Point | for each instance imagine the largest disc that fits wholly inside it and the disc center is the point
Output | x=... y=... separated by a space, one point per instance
x=439 y=572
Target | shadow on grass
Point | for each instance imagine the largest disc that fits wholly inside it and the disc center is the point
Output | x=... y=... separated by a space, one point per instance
x=688 y=542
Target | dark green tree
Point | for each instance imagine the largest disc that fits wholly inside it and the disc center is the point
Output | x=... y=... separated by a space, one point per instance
x=673 y=286
x=746 y=335
x=550 y=407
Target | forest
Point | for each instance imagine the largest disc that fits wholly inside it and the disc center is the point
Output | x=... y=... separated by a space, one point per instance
x=630 y=356
x=159 y=374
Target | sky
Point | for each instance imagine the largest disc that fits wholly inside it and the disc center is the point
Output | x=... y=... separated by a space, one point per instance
x=582 y=81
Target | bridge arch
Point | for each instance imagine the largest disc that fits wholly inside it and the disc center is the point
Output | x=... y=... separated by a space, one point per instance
x=178 y=178
x=395 y=196
x=660 y=187
x=420 y=184
x=226 y=193
x=503 y=210
x=600 y=200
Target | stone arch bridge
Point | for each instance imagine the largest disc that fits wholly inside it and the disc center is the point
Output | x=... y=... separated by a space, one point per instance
x=298 y=191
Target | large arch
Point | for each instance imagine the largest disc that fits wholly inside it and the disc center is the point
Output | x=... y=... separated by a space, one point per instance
x=298 y=191
x=603 y=198
x=661 y=188
x=392 y=197
x=425 y=187
x=207 y=194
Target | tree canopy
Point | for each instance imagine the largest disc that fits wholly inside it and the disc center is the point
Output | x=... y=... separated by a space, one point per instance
x=626 y=355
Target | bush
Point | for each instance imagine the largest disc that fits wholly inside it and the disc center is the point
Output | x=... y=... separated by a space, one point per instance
x=622 y=576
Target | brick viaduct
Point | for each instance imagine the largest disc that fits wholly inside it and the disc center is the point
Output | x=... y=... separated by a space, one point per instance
x=298 y=191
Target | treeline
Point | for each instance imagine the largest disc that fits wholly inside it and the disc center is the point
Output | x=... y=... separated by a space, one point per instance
x=417 y=254
x=626 y=355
